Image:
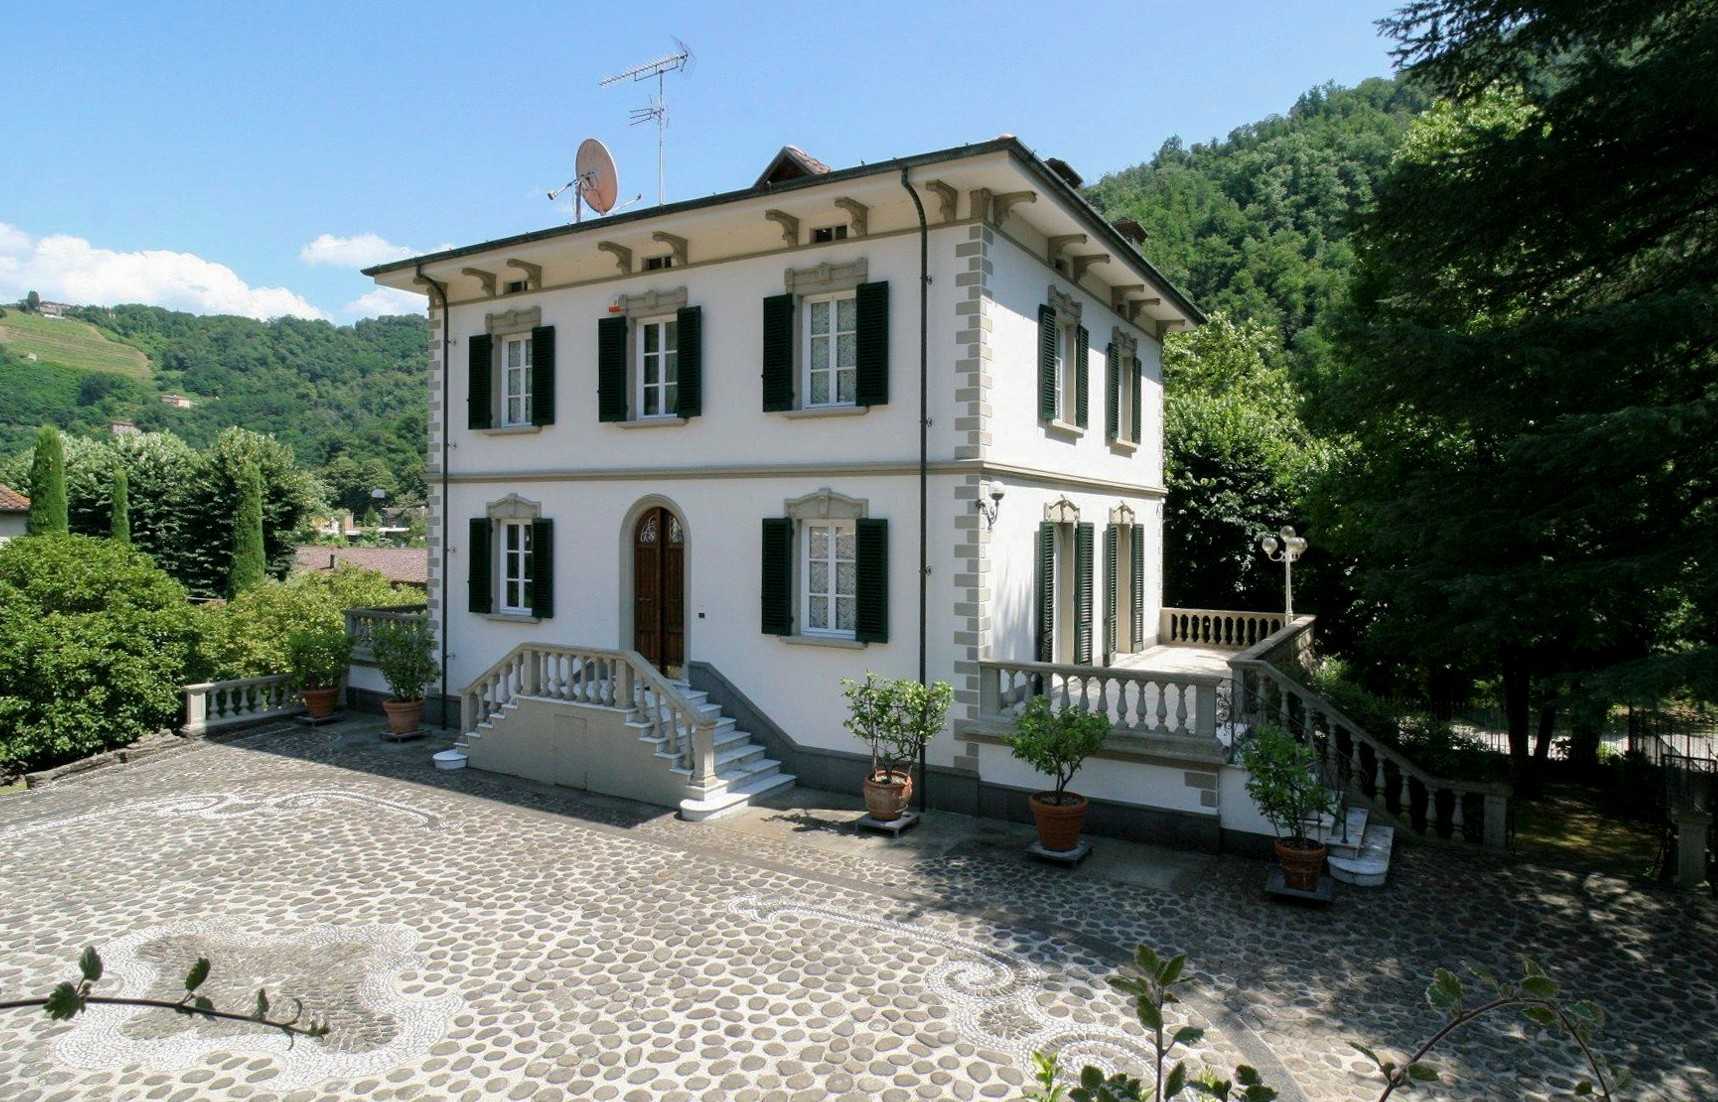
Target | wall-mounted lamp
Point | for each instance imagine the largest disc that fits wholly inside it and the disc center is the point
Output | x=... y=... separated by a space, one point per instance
x=989 y=511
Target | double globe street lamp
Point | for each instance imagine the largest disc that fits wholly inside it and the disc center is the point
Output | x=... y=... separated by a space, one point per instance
x=1292 y=547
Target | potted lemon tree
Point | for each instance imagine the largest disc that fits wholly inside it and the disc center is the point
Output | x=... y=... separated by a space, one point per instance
x=402 y=650
x=317 y=658
x=1283 y=781
x=1057 y=744
x=897 y=720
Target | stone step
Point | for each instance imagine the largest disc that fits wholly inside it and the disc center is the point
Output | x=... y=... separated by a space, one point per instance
x=733 y=797
x=1331 y=833
x=1371 y=865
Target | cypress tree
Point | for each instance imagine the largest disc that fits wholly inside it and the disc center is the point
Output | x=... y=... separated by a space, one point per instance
x=121 y=509
x=48 y=485
x=250 y=566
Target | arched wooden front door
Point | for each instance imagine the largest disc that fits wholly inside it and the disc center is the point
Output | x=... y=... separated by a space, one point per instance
x=659 y=589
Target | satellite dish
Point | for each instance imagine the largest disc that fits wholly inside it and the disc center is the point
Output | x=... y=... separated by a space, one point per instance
x=598 y=179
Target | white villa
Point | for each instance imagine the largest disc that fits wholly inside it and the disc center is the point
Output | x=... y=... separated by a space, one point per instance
x=693 y=465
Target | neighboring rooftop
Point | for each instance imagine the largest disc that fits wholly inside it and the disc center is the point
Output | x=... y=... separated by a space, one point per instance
x=11 y=501
x=792 y=163
x=407 y=565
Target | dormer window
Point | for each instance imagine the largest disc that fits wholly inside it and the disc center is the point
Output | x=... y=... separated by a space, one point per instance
x=658 y=263
x=515 y=286
x=824 y=234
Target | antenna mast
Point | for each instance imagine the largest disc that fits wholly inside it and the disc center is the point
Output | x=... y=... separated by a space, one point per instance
x=657 y=109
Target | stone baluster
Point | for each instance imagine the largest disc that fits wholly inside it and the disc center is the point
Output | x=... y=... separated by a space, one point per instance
x=1205 y=701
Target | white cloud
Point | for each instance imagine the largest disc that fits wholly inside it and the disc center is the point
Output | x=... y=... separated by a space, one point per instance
x=70 y=269
x=358 y=251
x=384 y=300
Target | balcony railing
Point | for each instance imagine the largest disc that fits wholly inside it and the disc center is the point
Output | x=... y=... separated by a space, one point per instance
x=361 y=624
x=212 y=705
x=1214 y=628
x=1138 y=702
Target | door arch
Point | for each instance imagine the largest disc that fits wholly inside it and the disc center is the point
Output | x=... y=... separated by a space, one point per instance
x=655 y=607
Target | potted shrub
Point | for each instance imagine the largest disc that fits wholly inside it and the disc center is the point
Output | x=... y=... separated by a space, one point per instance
x=318 y=658
x=1057 y=744
x=1285 y=785
x=897 y=720
x=402 y=650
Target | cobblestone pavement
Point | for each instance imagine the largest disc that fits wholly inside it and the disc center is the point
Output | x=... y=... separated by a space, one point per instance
x=473 y=936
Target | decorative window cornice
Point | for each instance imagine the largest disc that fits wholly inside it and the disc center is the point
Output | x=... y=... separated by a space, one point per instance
x=1062 y=511
x=826 y=504
x=654 y=301
x=1067 y=307
x=1127 y=345
x=1121 y=515
x=822 y=279
x=513 y=321
x=514 y=507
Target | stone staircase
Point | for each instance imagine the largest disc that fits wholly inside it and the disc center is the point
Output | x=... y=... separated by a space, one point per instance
x=1359 y=854
x=743 y=767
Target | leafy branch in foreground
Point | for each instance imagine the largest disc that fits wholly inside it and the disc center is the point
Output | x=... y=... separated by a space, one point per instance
x=69 y=999
x=1154 y=980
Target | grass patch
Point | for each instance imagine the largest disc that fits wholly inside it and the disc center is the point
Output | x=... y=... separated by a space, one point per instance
x=70 y=343
x=1566 y=826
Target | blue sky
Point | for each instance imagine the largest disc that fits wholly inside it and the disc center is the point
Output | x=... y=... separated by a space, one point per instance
x=248 y=158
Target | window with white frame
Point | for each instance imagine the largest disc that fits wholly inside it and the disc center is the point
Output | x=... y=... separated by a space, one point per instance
x=831 y=350
x=658 y=367
x=1063 y=359
x=516 y=380
x=517 y=568
x=831 y=577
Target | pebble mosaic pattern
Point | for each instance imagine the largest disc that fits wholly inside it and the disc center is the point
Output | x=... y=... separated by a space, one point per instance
x=573 y=947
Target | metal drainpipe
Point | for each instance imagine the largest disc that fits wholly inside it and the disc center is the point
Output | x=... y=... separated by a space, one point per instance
x=924 y=443
x=440 y=290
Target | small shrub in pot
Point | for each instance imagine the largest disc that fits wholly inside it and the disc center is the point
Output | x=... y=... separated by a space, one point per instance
x=897 y=720
x=1283 y=781
x=1056 y=744
x=318 y=658
x=402 y=649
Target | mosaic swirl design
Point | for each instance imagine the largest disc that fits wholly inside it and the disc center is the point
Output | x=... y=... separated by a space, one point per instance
x=348 y=974
x=219 y=806
x=990 y=993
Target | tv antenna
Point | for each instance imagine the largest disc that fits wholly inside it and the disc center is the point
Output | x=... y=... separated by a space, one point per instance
x=657 y=110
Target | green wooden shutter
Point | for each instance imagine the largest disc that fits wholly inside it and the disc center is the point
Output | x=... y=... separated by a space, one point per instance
x=872 y=306
x=690 y=358
x=1046 y=630
x=1082 y=347
x=778 y=353
x=1083 y=593
x=871 y=565
x=543 y=569
x=543 y=375
x=1136 y=537
x=1112 y=388
x=478 y=552
x=480 y=382
x=1138 y=399
x=777 y=576
x=611 y=368
x=1048 y=334
x=1112 y=643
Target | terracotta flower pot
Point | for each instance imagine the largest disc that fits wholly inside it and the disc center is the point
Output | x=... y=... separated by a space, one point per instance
x=320 y=702
x=1301 y=866
x=1058 y=824
x=404 y=716
x=886 y=796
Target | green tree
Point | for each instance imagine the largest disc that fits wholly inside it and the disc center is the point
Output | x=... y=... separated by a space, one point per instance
x=249 y=568
x=48 y=485
x=32 y=302
x=121 y=510
x=1529 y=371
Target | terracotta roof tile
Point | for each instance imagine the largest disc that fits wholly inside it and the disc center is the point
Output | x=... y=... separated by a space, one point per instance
x=11 y=501
x=397 y=564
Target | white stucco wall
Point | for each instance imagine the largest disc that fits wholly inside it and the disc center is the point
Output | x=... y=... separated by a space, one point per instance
x=13 y=525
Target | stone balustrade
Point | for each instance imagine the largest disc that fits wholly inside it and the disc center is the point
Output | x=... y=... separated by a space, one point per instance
x=1215 y=628
x=1137 y=702
x=1267 y=689
x=603 y=678
x=361 y=625
x=213 y=705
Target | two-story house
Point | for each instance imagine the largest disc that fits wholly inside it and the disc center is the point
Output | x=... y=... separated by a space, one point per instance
x=693 y=465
